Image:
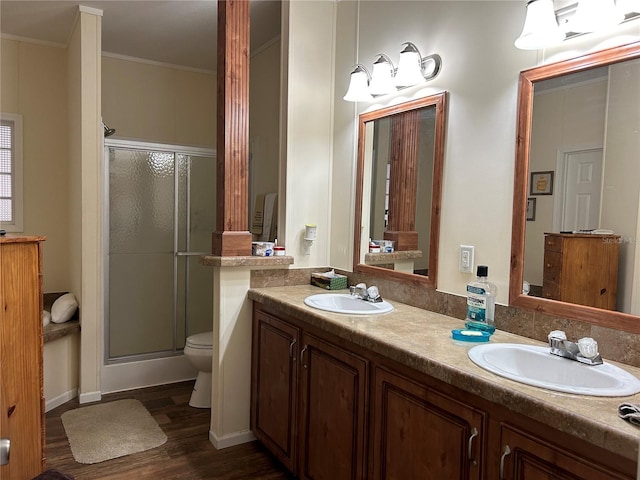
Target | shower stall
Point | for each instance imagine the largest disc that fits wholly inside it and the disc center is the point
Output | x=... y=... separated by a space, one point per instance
x=160 y=203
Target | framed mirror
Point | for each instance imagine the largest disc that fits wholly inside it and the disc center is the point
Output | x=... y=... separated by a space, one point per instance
x=399 y=190
x=576 y=225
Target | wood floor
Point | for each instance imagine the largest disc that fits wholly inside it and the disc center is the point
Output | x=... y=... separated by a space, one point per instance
x=187 y=454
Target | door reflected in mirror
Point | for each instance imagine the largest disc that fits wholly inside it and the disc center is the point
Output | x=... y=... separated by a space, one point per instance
x=578 y=158
x=400 y=156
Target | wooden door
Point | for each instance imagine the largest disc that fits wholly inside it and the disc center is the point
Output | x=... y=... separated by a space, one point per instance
x=333 y=399
x=274 y=386
x=421 y=434
x=21 y=398
x=526 y=457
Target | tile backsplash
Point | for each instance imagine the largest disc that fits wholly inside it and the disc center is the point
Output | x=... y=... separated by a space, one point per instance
x=613 y=344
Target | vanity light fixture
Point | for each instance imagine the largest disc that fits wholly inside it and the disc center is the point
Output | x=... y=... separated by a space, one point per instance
x=595 y=15
x=382 y=76
x=413 y=69
x=358 y=90
x=409 y=67
x=540 y=27
x=544 y=26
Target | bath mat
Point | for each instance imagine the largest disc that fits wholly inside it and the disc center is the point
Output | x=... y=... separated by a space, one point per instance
x=111 y=430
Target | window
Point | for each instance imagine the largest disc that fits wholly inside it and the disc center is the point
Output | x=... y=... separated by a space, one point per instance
x=11 y=172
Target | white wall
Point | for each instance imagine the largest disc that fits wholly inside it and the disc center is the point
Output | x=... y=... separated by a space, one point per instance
x=157 y=103
x=264 y=121
x=480 y=68
x=308 y=46
x=621 y=179
x=34 y=85
x=561 y=119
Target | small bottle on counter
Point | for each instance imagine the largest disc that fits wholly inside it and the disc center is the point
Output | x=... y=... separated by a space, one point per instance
x=279 y=251
x=374 y=247
x=481 y=302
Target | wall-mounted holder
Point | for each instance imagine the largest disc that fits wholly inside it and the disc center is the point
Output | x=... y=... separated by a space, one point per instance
x=309 y=237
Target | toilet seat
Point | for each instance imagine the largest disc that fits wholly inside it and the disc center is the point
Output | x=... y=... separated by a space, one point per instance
x=200 y=341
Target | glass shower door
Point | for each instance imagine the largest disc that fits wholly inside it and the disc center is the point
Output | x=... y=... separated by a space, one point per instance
x=161 y=215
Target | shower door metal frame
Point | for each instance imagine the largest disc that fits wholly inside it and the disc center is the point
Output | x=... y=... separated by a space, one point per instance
x=160 y=148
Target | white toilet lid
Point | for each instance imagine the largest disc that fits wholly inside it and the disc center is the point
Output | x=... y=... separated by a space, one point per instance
x=200 y=340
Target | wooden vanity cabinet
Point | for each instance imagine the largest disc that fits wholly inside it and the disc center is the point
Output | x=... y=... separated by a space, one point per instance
x=581 y=268
x=274 y=386
x=309 y=400
x=419 y=433
x=525 y=456
x=333 y=407
x=332 y=410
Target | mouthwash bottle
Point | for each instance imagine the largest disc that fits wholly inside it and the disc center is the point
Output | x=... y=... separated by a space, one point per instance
x=481 y=302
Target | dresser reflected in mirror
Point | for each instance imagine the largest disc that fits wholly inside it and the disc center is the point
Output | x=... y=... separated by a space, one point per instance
x=577 y=189
x=399 y=185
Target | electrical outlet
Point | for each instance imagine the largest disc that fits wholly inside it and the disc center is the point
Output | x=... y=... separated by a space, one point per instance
x=466 y=258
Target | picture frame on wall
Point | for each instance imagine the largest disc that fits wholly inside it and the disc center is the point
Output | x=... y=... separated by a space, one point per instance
x=541 y=183
x=531 y=209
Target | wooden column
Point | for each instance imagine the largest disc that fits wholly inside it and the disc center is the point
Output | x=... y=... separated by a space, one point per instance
x=403 y=185
x=232 y=236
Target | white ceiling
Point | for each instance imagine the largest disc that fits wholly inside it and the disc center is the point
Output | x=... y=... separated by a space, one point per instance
x=177 y=32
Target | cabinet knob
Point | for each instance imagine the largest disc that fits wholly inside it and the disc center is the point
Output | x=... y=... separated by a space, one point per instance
x=304 y=365
x=291 y=345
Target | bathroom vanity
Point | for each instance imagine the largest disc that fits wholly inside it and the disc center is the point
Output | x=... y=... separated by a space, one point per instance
x=393 y=396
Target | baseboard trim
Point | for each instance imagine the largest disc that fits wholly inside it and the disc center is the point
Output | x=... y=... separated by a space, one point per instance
x=60 y=399
x=121 y=377
x=231 y=439
x=90 y=397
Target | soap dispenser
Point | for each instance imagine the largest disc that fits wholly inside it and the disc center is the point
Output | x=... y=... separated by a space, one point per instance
x=481 y=301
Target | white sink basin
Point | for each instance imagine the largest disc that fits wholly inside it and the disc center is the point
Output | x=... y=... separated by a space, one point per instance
x=345 y=303
x=534 y=365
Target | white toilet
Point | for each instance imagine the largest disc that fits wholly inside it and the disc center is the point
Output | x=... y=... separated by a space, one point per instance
x=199 y=351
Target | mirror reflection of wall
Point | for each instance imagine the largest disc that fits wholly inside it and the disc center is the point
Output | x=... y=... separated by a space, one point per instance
x=400 y=161
x=382 y=170
x=585 y=130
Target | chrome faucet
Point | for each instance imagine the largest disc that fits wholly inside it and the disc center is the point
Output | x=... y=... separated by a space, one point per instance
x=584 y=350
x=361 y=291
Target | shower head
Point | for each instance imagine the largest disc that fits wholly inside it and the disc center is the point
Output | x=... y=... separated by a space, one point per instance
x=108 y=131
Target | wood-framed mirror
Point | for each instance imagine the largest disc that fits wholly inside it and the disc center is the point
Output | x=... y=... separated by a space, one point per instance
x=399 y=190
x=576 y=222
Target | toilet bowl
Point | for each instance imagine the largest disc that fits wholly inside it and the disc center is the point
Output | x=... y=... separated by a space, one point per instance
x=198 y=350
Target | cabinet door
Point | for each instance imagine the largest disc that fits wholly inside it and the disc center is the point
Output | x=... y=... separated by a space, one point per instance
x=21 y=402
x=333 y=399
x=420 y=434
x=274 y=386
x=526 y=457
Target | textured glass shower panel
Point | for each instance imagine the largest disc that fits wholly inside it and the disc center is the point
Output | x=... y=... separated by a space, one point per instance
x=196 y=222
x=202 y=222
x=141 y=252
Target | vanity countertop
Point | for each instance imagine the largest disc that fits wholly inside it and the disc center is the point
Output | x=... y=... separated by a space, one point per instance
x=421 y=339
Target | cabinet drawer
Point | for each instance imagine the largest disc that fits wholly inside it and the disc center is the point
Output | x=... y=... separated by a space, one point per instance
x=553 y=243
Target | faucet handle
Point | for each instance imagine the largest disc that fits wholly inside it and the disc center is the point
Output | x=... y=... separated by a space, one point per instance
x=372 y=292
x=588 y=347
x=557 y=335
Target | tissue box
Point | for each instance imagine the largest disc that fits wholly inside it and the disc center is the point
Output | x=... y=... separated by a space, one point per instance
x=339 y=282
